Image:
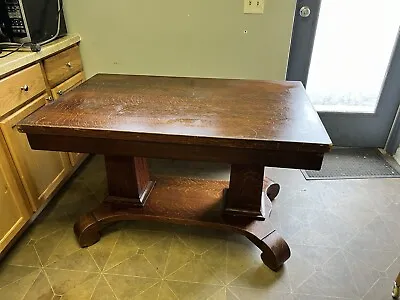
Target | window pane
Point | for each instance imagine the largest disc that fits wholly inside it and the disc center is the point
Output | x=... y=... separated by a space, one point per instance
x=352 y=49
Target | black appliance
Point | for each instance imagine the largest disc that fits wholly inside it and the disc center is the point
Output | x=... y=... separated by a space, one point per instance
x=31 y=21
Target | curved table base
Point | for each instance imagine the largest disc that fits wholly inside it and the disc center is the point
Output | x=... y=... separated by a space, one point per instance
x=190 y=202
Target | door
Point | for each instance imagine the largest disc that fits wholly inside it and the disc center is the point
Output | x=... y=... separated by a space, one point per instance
x=65 y=87
x=347 y=54
x=13 y=205
x=41 y=172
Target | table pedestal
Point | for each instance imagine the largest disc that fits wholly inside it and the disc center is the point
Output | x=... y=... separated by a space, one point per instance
x=239 y=205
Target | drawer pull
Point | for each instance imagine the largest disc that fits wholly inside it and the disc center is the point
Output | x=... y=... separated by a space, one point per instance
x=60 y=92
x=49 y=99
x=69 y=65
x=25 y=88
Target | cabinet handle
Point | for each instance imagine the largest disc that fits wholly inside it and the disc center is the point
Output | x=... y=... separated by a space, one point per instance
x=69 y=65
x=60 y=92
x=49 y=99
x=25 y=88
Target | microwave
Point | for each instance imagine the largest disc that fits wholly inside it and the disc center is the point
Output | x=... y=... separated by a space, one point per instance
x=32 y=21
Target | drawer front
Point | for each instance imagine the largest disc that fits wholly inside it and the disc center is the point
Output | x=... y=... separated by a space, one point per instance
x=67 y=85
x=20 y=87
x=63 y=65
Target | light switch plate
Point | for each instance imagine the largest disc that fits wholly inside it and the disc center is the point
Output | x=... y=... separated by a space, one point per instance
x=253 y=6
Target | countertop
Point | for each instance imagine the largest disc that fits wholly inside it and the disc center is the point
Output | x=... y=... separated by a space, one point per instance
x=20 y=59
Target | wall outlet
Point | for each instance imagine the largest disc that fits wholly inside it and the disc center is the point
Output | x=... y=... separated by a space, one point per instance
x=253 y=6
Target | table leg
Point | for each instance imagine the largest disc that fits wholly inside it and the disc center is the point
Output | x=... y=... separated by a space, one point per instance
x=246 y=198
x=129 y=185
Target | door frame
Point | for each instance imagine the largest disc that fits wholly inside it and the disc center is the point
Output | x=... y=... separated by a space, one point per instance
x=385 y=121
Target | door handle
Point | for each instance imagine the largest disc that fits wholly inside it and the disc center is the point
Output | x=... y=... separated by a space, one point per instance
x=305 y=11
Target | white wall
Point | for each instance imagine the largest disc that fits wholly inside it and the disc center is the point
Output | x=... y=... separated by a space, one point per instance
x=182 y=37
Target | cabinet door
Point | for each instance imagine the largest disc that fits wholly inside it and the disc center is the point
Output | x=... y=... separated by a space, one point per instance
x=60 y=90
x=14 y=209
x=40 y=171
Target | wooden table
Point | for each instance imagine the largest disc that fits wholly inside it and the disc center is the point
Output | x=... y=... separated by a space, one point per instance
x=248 y=124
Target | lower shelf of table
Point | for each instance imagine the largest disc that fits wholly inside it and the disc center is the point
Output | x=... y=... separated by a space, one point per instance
x=186 y=201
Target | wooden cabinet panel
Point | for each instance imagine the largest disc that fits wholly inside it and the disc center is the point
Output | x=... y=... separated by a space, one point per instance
x=20 y=87
x=14 y=209
x=40 y=171
x=63 y=65
x=62 y=89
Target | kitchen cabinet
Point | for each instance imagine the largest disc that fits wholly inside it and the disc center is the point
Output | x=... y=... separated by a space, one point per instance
x=40 y=171
x=15 y=211
x=30 y=178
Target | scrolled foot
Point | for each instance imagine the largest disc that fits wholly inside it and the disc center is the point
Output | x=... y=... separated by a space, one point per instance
x=276 y=251
x=87 y=230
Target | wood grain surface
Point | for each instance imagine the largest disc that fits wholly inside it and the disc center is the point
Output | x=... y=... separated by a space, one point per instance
x=228 y=113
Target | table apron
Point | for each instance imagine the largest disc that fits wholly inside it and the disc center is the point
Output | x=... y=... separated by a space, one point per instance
x=272 y=158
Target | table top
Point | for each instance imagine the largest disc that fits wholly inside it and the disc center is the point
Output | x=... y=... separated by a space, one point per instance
x=225 y=112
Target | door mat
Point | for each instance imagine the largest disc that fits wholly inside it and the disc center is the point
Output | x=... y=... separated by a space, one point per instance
x=355 y=163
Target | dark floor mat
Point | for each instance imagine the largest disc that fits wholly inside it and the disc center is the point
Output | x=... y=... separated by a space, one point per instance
x=353 y=163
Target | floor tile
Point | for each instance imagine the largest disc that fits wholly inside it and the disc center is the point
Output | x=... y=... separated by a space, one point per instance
x=216 y=260
x=179 y=255
x=219 y=295
x=46 y=245
x=23 y=255
x=103 y=291
x=64 y=280
x=190 y=290
x=322 y=284
x=48 y=222
x=230 y=295
x=195 y=271
x=124 y=248
x=82 y=291
x=101 y=251
x=315 y=255
x=16 y=289
x=299 y=270
x=199 y=242
x=381 y=290
x=394 y=268
x=10 y=273
x=241 y=256
x=157 y=254
x=66 y=246
x=127 y=287
x=40 y=289
x=137 y=265
x=243 y=293
x=166 y=293
x=80 y=260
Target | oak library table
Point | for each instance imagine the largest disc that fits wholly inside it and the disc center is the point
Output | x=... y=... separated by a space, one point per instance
x=248 y=124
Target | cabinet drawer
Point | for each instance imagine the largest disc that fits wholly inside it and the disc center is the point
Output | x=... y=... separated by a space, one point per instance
x=68 y=85
x=63 y=65
x=20 y=87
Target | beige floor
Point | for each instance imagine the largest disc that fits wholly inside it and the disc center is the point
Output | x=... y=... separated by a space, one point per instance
x=344 y=236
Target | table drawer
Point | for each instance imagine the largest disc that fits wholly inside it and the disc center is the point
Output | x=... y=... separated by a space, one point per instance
x=63 y=65
x=20 y=87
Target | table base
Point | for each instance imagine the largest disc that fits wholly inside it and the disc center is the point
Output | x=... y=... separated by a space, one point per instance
x=187 y=201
